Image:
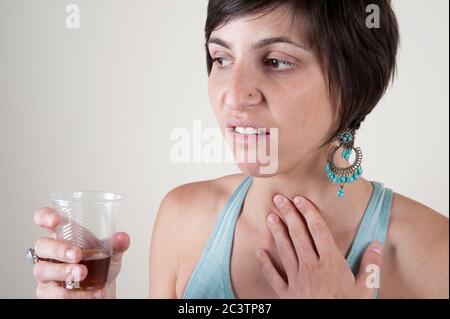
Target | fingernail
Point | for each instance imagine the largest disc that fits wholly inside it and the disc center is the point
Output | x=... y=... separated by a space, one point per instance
x=377 y=248
x=298 y=200
x=279 y=200
x=272 y=219
x=76 y=273
x=71 y=254
x=99 y=294
x=48 y=220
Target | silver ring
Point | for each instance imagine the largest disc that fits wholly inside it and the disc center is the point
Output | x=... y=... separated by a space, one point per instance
x=32 y=257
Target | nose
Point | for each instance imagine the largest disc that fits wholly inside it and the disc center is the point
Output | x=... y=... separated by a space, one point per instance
x=242 y=90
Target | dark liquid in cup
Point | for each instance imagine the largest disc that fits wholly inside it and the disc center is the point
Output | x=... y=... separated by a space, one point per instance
x=98 y=268
x=97 y=263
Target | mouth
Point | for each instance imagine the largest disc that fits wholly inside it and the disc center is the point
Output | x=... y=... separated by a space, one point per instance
x=247 y=132
x=246 y=128
x=250 y=130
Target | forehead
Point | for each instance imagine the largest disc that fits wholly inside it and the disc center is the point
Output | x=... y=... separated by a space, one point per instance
x=274 y=22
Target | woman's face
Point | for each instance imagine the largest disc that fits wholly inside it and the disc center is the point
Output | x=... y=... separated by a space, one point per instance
x=264 y=76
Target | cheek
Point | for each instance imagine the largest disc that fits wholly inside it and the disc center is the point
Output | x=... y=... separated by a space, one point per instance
x=214 y=96
x=304 y=116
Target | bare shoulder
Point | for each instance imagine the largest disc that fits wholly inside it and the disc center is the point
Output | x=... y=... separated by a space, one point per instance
x=194 y=206
x=415 y=221
x=416 y=263
x=184 y=220
x=198 y=199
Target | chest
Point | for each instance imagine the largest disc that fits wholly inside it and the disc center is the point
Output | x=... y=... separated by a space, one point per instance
x=246 y=275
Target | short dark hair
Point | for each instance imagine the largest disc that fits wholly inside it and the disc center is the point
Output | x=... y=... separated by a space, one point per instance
x=360 y=61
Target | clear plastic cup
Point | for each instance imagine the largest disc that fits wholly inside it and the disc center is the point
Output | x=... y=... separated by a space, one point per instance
x=89 y=221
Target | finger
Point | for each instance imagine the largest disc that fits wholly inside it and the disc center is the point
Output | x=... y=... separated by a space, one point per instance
x=47 y=271
x=303 y=244
x=368 y=277
x=59 y=250
x=320 y=234
x=121 y=244
x=270 y=274
x=50 y=291
x=284 y=244
x=48 y=218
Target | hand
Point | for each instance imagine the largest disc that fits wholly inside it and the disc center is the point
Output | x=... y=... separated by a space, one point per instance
x=66 y=256
x=314 y=266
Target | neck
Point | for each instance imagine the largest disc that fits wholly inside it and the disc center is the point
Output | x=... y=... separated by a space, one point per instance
x=309 y=180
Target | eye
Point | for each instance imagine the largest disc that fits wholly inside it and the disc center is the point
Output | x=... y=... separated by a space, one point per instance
x=221 y=61
x=279 y=65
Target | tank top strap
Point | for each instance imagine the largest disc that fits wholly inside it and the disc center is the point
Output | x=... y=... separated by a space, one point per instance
x=211 y=276
x=222 y=239
x=374 y=224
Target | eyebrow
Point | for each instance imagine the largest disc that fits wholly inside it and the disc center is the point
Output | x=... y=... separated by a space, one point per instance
x=260 y=44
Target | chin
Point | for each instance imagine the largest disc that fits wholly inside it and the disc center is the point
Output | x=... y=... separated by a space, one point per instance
x=256 y=170
x=254 y=158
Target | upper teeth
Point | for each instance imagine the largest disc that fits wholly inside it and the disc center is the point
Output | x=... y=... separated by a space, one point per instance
x=250 y=130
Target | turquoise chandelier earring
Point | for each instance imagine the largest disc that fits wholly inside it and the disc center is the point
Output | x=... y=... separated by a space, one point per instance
x=344 y=175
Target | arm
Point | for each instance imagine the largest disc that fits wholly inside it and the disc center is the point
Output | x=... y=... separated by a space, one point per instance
x=163 y=257
x=418 y=265
x=437 y=285
x=184 y=213
x=424 y=262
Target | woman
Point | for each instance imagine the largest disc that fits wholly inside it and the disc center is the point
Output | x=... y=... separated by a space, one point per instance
x=308 y=73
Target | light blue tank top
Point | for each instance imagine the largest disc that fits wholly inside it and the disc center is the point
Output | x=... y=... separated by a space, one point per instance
x=211 y=276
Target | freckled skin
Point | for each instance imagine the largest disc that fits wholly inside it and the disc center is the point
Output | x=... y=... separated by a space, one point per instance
x=295 y=101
